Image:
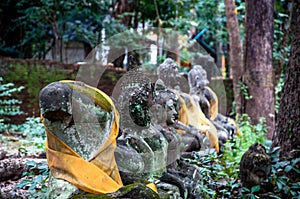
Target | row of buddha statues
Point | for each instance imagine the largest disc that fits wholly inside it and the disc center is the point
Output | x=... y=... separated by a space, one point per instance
x=98 y=144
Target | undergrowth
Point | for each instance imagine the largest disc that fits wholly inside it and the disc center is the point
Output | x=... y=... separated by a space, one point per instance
x=33 y=136
x=34 y=77
x=221 y=172
x=35 y=180
x=9 y=106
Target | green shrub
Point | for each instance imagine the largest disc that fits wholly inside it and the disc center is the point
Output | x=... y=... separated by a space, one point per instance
x=279 y=180
x=251 y=134
x=278 y=91
x=220 y=173
x=33 y=77
x=35 y=180
x=33 y=136
x=9 y=106
x=32 y=142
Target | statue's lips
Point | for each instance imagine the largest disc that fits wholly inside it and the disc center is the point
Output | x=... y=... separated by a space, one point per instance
x=201 y=87
x=173 y=118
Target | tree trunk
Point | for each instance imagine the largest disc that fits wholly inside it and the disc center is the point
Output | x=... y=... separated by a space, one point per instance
x=57 y=44
x=258 y=74
x=123 y=10
x=236 y=63
x=287 y=131
x=122 y=7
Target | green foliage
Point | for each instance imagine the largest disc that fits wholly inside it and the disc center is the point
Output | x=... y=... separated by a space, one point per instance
x=9 y=106
x=43 y=22
x=36 y=175
x=35 y=180
x=215 y=182
x=31 y=136
x=278 y=91
x=34 y=136
x=225 y=167
x=250 y=193
x=235 y=149
x=281 y=171
x=33 y=77
x=279 y=184
x=281 y=49
x=244 y=90
x=220 y=173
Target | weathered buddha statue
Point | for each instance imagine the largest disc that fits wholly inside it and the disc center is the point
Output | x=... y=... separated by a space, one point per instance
x=208 y=102
x=189 y=111
x=138 y=133
x=82 y=125
x=164 y=115
x=192 y=139
x=146 y=131
x=148 y=114
x=164 y=108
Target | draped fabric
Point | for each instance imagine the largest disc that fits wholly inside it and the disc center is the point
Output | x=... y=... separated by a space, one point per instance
x=100 y=174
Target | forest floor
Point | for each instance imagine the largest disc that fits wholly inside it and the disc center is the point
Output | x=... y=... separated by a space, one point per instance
x=14 y=168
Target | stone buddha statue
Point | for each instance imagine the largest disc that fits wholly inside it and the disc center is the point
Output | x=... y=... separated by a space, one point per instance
x=208 y=102
x=189 y=111
x=82 y=125
x=138 y=133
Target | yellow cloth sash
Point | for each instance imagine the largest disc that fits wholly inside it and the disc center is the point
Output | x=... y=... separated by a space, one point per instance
x=183 y=113
x=213 y=111
x=100 y=175
x=198 y=120
x=191 y=114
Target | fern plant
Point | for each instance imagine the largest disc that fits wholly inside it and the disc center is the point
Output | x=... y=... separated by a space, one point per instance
x=8 y=105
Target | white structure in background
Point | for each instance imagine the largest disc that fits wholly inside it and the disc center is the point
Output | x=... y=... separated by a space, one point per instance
x=153 y=54
x=102 y=50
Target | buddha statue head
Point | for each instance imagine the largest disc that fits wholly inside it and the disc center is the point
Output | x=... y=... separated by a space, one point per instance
x=197 y=77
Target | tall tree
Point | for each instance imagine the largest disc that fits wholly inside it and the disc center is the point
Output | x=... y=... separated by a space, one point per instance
x=236 y=61
x=287 y=130
x=125 y=12
x=258 y=76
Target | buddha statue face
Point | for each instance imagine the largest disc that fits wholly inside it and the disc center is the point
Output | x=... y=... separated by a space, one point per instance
x=168 y=73
x=197 y=77
x=169 y=102
x=172 y=114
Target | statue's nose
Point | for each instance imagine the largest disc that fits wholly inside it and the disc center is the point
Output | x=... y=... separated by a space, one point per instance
x=204 y=82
